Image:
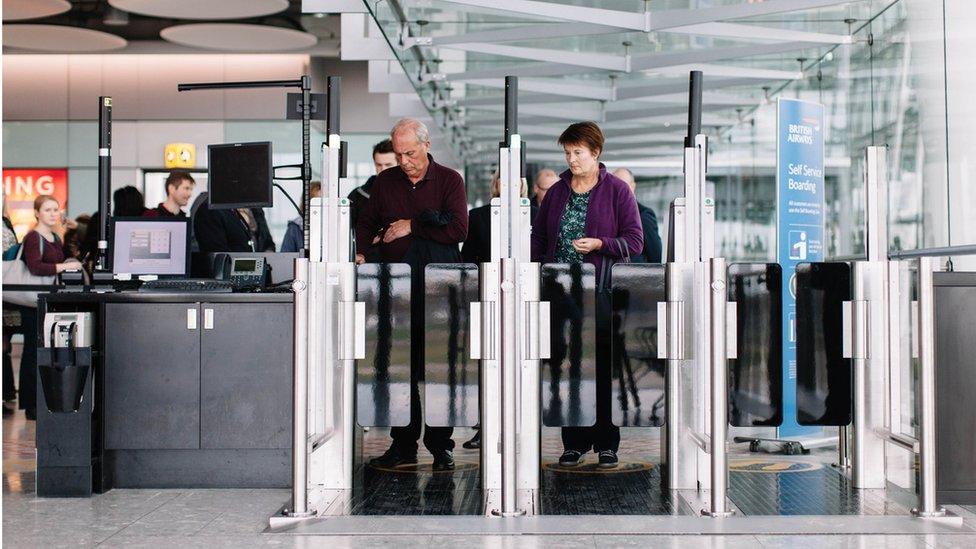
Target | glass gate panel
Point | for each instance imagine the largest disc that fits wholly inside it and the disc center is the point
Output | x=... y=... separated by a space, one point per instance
x=824 y=378
x=569 y=376
x=756 y=375
x=451 y=389
x=638 y=375
x=383 y=377
x=904 y=350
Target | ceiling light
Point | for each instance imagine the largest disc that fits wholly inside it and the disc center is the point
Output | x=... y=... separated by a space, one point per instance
x=115 y=17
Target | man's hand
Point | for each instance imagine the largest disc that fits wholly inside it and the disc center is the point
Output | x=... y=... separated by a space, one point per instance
x=587 y=245
x=360 y=259
x=397 y=229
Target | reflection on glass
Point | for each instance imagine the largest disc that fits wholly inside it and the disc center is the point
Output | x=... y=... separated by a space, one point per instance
x=569 y=376
x=638 y=375
x=905 y=416
x=383 y=377
x=451 y=380
x=756 y=376
x=823 y=376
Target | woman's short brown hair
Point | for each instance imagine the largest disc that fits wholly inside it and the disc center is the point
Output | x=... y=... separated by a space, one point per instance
x=40 y=200
x=584 y=133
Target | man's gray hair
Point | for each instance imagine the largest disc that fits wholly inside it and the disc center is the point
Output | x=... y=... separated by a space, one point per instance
x=419 y=129
x=545 y=172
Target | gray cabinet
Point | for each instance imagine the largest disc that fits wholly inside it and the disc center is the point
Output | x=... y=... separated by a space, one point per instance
x=955 y=301
x=245 y=375
x=152 y=376
x=210 y=376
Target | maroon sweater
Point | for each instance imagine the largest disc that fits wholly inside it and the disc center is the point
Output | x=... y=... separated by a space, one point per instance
x=41 y=264
x=436 y=205
x=161 y=211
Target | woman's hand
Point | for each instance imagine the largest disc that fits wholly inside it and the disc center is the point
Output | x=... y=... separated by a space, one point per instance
x=69 y=265
x=587 y=245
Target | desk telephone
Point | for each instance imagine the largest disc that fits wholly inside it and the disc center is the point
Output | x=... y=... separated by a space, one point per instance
x=243 y=272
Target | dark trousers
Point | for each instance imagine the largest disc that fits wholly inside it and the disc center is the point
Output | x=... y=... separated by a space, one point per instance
x=603 y=435
x=28 y=362
x=405 y=438
x=9 y=388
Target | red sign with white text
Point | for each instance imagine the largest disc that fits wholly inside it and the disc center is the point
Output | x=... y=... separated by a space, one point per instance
x=22 y=186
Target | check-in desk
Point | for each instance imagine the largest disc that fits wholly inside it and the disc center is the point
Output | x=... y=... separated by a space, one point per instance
x=186 y=390
x=955 y=350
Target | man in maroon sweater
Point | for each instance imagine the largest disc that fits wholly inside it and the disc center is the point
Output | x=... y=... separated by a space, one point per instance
x=417 y=214
x=179 y=189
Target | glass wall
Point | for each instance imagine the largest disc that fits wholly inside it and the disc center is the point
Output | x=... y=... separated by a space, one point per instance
x=904 y=82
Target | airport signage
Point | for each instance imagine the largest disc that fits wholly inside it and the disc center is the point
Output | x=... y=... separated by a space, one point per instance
x=22 y=186
x=799 y=224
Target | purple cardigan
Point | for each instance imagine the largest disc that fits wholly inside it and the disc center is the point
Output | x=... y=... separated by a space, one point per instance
x=611 y=213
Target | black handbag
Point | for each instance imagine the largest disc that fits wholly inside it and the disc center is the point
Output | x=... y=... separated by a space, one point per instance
x=604 y=289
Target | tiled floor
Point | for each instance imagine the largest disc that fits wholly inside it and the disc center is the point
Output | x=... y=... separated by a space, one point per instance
x=214 y=519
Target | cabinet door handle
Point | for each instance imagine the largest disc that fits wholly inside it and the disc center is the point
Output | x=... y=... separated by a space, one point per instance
x=191 y=319
x=208 y=319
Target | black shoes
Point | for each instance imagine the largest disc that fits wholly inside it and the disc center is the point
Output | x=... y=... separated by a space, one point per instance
x=570 y=458
x=475 y=441
x=392 y=458
x=443 y=460
x=608 y=459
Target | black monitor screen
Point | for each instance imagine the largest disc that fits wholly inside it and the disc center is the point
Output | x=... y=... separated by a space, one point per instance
x=240 y=175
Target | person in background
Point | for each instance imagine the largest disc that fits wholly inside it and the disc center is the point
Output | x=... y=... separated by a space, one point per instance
x=652 y=239
x=477 y=249
x=419 y=211
x=477 y=246
x=11 y=316
x=294 y=239
x=590 y=216
x=44 y=256
x=231 y=230
x=72 y=244
x=544 y=180
x=128 y=202
x=179 y=189
x=9 y=235
x=383 y=159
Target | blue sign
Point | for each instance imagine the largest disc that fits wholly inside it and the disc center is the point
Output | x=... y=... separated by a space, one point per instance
x=799 y=224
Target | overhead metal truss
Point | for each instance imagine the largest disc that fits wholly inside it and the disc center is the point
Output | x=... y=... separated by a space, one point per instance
x=456 y=53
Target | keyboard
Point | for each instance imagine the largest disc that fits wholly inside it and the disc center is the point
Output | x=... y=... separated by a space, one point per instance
x=173 y=285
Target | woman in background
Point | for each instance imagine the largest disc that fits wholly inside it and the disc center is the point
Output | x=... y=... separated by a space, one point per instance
x=44 y=255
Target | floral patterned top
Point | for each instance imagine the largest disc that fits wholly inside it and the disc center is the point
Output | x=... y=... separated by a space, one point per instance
x=571 y=227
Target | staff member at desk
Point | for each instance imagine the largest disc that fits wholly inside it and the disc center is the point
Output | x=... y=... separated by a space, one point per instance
x=420 y=211
x=179 y=189
x=237 y=230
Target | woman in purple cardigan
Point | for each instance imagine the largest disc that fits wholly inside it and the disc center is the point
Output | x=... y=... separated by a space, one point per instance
x=589 y=215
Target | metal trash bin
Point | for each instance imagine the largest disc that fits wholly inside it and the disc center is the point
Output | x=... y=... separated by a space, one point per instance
x=64 y=362
x=64 y=375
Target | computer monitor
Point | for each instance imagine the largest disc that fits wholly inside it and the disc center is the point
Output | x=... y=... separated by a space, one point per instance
x=240 y=175
x=151 y=246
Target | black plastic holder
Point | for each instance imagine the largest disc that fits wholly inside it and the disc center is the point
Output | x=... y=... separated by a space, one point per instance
x=64 y=375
